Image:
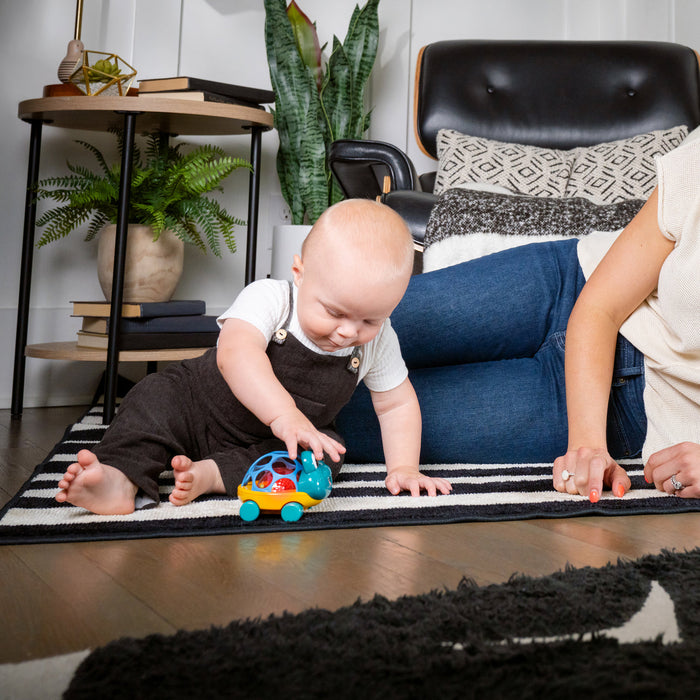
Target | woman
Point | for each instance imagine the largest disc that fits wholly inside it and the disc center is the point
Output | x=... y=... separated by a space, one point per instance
x=485 y=342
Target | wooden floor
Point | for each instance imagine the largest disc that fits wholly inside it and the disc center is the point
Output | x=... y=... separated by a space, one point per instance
x=60 y=598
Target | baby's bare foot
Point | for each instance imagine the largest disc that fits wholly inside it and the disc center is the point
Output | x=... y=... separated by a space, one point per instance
x=96 y=487
x=192 y=479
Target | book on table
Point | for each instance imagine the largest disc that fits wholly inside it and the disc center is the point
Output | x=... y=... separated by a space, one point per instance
x=148 y=325
x=174 y=307
x=199 y=96
x=252 y=96
x=150 y=340
x=199 y=323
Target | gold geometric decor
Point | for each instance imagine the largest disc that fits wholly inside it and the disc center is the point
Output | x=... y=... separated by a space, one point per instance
x=94 y=72
x=102 y=73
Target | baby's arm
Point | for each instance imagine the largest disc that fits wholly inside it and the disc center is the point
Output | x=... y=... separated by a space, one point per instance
x=245 y=366
x=400 y=422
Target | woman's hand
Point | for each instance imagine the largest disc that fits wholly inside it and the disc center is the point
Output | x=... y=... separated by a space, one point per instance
x=586 y=470
x=680 y=463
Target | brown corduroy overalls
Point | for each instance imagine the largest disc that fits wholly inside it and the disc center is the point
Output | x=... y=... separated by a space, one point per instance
x=188 y=408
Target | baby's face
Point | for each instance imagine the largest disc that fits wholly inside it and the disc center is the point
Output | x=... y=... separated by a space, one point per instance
x=338 y=311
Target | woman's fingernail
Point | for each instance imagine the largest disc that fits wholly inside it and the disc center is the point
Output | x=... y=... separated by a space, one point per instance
x=646 y=479
x=595 y=496
x=619 y=490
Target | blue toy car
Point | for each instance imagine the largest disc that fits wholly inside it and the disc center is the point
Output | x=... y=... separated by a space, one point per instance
x=275 y=483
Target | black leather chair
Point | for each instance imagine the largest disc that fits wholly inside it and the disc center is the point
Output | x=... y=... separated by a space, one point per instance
x=553 y=94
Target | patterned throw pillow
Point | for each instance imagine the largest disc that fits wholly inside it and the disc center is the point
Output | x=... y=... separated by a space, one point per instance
x=605 y=173
x=619 y=170
x=464 y=159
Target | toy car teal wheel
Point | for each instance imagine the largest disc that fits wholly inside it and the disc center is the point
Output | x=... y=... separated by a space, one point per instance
x=291 y=512
x=249 y=511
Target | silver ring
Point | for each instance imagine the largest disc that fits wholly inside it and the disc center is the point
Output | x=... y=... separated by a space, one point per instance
x=566 y=475
x=676 y=484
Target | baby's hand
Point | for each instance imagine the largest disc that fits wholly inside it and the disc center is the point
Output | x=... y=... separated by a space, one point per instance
x=295 y=429
x=410 y=479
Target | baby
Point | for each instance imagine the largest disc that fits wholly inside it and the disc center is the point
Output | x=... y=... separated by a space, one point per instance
x=288 y=359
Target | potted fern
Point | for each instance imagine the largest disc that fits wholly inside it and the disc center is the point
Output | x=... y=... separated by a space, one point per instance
x=167 y=208
x=316 y=104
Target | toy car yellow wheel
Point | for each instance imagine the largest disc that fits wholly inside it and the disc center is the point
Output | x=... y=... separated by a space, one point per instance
x=249 y=511
x=291 y=512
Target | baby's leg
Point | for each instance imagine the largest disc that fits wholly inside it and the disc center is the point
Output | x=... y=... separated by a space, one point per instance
x=192 y=479
x=96 y=487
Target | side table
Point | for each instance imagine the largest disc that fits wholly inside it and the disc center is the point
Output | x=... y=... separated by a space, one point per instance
x=132 y=114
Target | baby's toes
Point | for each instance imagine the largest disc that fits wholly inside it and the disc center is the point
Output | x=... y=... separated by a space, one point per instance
x=68 y=477
x=180 y=462
x=184 y=481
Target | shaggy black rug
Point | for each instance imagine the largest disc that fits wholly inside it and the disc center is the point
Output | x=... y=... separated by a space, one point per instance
x=629 y=630
x=359 y=499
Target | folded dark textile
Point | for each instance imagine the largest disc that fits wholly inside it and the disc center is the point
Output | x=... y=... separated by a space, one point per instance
x=460 y=212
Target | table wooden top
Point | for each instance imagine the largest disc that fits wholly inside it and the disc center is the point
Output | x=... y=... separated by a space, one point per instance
x=70 y=350
x=170 y=116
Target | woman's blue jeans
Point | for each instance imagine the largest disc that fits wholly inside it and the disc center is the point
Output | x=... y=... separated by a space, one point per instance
x=484 y=344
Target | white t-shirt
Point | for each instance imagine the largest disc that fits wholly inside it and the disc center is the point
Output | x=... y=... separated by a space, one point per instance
x=265 y=305
x=666 y=326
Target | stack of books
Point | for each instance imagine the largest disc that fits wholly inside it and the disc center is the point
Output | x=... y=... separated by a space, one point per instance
x=185 y=88
x=148 y=325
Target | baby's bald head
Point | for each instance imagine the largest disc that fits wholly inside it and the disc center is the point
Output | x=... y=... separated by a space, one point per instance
x=363 y=238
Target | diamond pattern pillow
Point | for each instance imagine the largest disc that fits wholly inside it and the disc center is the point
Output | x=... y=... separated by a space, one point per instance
x=618 y=170
x=522 y=169
x=605 y=173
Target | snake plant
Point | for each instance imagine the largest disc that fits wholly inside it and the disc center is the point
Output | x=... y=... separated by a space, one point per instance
x=316 y=104
x=167 y=192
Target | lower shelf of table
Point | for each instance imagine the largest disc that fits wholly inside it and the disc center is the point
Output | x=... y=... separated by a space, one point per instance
x=70 y=350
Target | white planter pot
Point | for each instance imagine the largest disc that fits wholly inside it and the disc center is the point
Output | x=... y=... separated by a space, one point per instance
x=152 y=269
x=286 y=243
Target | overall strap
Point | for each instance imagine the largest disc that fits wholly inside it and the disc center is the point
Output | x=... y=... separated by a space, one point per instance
x=280 y=335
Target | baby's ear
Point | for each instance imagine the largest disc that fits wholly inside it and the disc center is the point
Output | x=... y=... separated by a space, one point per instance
x=297 y=270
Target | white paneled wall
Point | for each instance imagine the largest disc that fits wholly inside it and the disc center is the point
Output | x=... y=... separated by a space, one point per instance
x=224 y=40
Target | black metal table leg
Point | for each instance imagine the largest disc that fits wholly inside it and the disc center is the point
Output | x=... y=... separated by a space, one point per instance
x=25 y=280
x=119 y=267
x=253 y=202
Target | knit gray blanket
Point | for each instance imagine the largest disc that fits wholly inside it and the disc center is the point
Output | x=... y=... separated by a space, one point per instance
x=467 y=224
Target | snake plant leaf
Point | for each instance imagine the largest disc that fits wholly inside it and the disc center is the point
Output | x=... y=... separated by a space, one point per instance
x=296 y=106
x=361 y=41
x=338 y=96
x=307 y=41
x=349 y=67
x=314 y=175
x=308 y=121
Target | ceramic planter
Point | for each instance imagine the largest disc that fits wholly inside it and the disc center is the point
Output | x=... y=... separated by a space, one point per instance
x=153 y=268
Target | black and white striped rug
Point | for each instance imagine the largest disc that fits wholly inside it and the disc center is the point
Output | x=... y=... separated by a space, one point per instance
x=359 y=498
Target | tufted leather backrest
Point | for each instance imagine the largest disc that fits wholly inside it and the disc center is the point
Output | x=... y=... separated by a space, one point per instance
x=555 y=94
